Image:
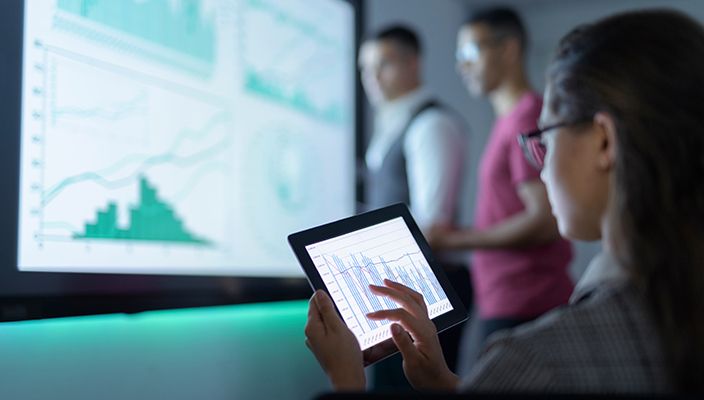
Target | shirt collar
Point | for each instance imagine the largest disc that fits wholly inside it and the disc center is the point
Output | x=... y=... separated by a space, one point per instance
x=389 y=121
x=602 y=270
x=406 y=103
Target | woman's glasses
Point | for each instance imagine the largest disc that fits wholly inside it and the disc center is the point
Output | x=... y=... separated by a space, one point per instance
x=532 y=143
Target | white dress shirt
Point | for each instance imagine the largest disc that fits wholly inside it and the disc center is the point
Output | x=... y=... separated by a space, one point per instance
x=434 y=148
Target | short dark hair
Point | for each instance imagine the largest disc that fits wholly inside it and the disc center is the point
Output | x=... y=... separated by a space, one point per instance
x=403 y=36
x=503 y=22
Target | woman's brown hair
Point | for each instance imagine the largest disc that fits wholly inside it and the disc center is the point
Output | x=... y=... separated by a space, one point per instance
x=646 y=69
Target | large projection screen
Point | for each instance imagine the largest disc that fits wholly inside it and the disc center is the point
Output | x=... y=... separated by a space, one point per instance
x=183 y=137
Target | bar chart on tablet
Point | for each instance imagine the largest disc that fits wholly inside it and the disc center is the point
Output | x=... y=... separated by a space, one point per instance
x=349 y=263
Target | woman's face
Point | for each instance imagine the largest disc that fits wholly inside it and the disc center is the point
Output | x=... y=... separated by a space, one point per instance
x=574 y=176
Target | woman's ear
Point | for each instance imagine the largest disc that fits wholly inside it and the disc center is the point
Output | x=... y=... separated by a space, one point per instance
x=608 y=148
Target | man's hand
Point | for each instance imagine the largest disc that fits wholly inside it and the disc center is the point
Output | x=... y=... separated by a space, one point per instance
x=437 y=235
x=443 y=237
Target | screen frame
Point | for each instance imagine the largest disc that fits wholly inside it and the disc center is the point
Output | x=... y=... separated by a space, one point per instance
x=299 y=240
x=35 y=295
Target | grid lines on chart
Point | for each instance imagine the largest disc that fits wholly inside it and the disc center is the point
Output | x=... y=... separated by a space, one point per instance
x=384 y=251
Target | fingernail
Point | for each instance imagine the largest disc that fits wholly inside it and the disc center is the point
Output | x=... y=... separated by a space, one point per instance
x=396 y=329
x=320 y=295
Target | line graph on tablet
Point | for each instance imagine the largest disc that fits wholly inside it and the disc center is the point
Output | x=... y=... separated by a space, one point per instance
x=349 y=263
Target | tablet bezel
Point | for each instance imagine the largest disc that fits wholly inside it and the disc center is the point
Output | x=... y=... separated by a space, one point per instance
x=299 y=240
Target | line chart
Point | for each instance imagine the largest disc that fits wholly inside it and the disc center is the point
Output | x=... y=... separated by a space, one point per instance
x=293 y=58
x=351 y=262
x=137 y=106
x=127 y=162
x=182 y=137
x=144 y=162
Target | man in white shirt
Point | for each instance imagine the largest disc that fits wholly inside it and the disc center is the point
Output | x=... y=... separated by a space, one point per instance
x=407 y=118
x=415 y=155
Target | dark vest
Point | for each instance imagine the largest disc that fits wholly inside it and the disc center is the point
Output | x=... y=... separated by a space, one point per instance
x=389 y=184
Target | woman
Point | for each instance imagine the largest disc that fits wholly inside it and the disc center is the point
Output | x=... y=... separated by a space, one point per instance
x=623 y=153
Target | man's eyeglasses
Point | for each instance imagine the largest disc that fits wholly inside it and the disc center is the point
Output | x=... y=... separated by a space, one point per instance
x=532 y=143
x=469 y=52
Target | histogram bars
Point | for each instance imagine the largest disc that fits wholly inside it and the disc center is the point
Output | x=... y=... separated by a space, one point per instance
x=348 y=264
x=151 y=220
x=358 y=276
x=184 y=30
x=178 y=35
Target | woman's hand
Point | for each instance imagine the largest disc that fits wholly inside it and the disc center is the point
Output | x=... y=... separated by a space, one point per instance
x=416 y=337
x=334 y=345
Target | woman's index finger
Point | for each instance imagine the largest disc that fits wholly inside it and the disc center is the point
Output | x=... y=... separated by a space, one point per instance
x=417 y=297
x=404 y=299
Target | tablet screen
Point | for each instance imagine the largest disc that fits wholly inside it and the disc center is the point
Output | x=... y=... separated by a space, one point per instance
x=349 y=263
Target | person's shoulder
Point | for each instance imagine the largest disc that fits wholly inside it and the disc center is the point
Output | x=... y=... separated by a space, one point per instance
x=534 y=100
x=523 y=118
x=531 y=103
x=604 y=336
x=438 y=109
x=528 y=108
x=599 y=309
x=438 y=119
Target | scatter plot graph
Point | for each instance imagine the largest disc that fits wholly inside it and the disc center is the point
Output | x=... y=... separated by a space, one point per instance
x=351 y=262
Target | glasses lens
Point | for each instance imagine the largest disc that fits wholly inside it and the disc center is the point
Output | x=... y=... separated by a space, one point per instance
x=536 y=150
x=469 y=52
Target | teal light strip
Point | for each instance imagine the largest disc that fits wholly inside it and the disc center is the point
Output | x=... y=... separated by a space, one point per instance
x=248 y=320
x=228 y=352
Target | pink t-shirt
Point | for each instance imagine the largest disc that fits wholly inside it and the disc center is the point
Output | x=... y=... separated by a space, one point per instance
x=516 y=283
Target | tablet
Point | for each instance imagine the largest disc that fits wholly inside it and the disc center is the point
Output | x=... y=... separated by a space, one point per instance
x=346 y=256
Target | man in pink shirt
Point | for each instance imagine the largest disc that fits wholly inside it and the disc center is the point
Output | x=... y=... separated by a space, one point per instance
x=519 y=261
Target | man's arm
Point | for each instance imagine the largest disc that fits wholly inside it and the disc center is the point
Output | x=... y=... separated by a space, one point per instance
x=535 y=225
x=434 y=149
